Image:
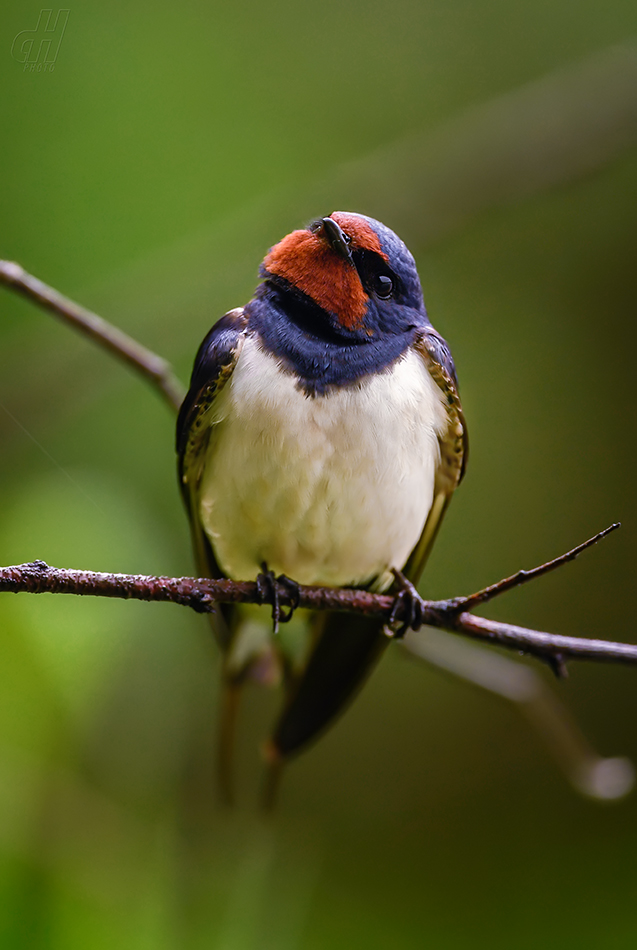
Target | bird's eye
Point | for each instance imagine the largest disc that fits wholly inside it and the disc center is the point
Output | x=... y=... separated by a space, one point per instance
x=383 y=286
x=316 y=226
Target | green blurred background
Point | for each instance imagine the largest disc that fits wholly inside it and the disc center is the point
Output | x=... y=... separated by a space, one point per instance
x=146 y=176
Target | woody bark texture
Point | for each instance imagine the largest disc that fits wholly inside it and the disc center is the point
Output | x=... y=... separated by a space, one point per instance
x=202 y=594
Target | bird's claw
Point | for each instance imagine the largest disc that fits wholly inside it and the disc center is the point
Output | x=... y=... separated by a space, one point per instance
x=407 y=602
x=294 y=593
x=268 y=588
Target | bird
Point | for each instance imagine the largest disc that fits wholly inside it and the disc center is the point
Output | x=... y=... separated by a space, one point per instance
x=321 y=440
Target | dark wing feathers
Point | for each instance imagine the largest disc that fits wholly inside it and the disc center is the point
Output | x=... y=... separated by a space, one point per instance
x=214 y=364
x=347 y=649
x=454 y=446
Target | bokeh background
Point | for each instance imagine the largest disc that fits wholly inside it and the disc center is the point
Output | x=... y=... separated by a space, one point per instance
x=145 y=176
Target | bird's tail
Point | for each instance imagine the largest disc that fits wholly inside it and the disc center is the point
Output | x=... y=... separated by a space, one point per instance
x=346 y=650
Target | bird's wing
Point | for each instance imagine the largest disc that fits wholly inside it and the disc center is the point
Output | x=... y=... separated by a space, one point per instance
x=454 y=446
x=214 y=365
x=347 y=648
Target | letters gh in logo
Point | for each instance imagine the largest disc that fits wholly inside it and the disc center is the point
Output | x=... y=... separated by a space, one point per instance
x=39 y=48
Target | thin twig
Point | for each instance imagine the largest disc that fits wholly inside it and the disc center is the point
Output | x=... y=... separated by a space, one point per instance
x=152 y=367
x=523 y=577
x=201 y=594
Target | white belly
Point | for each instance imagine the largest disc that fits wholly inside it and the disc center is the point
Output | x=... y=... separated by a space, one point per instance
x=330 y=490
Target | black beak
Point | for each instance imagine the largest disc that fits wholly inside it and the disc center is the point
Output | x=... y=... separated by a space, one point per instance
x=337 y=240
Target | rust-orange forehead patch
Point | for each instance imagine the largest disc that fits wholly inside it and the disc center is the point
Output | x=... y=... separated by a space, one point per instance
x=361 y=233
x=308 y=262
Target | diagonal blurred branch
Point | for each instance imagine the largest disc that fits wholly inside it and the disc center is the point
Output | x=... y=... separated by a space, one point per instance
x=152 y=367
x=596 y=776
x=553 y=130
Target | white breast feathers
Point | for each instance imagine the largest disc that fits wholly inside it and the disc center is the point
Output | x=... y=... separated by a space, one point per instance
x=330 y=489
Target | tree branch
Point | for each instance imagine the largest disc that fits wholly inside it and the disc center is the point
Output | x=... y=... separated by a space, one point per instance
x=152 y=367
x=201 y=595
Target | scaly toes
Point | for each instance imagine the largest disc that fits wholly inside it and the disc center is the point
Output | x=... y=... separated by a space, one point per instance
x=268 y=588
x=269 y=594
x=409 y=603
x=295 y=596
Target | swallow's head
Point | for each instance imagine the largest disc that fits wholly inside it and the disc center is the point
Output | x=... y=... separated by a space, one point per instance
x=357 y=272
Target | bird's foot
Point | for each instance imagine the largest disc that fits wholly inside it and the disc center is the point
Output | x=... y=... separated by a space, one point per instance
x=409 y=603
x=268 y=587
x=294 y=593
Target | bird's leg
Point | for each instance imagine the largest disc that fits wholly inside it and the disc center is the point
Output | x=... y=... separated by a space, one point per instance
x=409 y=601
x=267 y=585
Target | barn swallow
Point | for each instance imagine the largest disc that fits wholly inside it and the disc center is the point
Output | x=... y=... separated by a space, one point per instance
x=321 y=439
